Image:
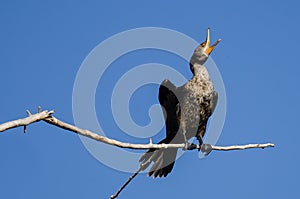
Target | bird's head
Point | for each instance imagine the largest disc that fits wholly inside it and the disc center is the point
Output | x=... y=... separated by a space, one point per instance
x=202 y=52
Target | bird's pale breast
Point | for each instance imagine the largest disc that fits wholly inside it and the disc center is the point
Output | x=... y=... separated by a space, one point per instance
x=195 y=102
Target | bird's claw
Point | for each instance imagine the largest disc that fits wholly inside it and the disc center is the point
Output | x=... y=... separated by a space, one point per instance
x=206 y=149
x=189 y=146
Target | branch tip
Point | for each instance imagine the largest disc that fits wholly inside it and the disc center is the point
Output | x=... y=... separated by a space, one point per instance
x=28 y=113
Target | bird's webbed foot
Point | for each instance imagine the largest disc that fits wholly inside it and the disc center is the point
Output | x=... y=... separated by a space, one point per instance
x=206 y=149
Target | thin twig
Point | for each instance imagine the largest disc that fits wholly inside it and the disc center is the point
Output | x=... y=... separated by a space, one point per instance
x=28 y=112
x=125 y=184
x=143 y=166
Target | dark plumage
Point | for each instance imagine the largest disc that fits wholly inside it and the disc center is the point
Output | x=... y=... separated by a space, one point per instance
x=186 y=109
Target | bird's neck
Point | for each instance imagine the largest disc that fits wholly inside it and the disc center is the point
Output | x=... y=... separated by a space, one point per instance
x=197 y=60
x=200 y=72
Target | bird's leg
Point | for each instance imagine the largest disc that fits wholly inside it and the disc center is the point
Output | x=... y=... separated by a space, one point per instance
x=200 y=140
x=188 y=146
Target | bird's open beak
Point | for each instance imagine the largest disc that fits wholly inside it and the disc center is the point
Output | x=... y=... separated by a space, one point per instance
x=207 y=47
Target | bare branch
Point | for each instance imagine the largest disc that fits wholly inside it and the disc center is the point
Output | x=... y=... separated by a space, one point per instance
x=54 y=121
x=242 y=147
x=47 y=117
x=25 y=121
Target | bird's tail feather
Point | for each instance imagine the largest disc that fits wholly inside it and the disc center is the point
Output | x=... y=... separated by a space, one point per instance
x=163 y=159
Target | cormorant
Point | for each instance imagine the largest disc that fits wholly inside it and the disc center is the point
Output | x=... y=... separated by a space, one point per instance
x=186 y=110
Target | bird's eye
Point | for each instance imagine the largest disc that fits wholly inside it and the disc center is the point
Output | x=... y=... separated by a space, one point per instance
x=203 y=44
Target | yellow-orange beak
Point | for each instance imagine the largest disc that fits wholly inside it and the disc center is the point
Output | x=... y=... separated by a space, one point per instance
x=207 y=48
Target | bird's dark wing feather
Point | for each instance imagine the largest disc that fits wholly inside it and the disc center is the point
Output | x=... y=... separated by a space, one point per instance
x=164 y=158
x=171 y=108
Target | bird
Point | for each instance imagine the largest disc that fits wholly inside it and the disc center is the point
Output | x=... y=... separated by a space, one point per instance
x=186 y=110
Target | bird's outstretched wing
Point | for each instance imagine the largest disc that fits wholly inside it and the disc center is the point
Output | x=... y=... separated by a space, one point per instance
x=164 y=158
x=171 y=108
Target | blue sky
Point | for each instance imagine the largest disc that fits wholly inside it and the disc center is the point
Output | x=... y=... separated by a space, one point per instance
x=44 y=43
